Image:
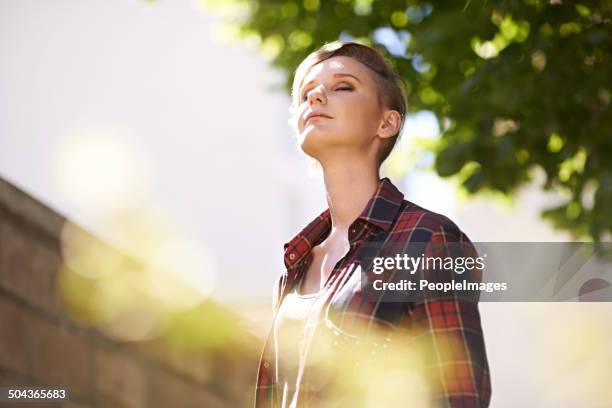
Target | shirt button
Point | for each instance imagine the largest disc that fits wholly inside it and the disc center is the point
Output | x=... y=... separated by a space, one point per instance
x=353 y=230
x=266 y=364
x=292 y=256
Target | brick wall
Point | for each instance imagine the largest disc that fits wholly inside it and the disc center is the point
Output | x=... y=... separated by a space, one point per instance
x=41 y=343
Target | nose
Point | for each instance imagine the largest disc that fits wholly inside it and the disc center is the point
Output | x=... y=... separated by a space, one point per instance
x=317 y=94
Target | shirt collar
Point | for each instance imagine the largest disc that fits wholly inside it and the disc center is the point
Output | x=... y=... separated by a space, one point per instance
x=380 y=211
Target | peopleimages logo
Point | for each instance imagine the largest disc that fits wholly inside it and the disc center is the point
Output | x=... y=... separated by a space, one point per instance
x=486 y=271
x=412 y=264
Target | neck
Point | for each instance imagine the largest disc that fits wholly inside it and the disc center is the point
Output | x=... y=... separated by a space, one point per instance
x=349 y=187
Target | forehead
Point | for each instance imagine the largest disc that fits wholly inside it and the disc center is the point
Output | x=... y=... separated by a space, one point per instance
x=335 y=65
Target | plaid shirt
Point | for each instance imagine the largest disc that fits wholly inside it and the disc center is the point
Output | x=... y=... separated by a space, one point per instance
x=461 y=372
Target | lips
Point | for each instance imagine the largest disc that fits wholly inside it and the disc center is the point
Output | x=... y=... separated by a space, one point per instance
x=316 y=115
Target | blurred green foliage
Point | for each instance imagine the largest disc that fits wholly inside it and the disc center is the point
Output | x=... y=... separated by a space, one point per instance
x=516 y=85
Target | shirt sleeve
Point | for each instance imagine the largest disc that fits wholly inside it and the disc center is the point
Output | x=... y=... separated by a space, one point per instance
x=450 y=326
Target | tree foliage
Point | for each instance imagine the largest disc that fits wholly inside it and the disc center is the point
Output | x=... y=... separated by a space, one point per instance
x=516 y=85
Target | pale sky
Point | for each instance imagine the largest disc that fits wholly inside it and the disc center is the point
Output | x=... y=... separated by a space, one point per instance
x=112 y=103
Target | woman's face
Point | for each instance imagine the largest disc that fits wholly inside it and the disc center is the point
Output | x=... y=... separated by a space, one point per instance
x=344 y=91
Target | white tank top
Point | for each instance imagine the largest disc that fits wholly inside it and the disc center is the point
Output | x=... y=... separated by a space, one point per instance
x=288 y=337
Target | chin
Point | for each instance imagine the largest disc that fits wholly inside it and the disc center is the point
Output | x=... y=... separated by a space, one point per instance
x=313 y=141
x=308 y=148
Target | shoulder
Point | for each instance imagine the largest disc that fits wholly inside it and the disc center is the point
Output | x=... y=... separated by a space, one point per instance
x=421 y=224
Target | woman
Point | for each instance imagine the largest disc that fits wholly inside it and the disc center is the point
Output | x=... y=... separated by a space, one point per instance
x=330 y=344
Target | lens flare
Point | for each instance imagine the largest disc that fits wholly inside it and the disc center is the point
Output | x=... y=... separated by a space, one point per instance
x=102 y=170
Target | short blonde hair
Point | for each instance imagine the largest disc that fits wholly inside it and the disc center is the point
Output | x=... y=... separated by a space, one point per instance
x=389 y=84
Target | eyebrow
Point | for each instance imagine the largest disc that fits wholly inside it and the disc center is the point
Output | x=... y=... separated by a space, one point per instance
x=339 y=74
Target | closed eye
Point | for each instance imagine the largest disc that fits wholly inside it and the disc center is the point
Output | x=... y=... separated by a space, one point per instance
x=344 y=88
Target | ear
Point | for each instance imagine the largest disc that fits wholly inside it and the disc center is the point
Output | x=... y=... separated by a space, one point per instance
x=389 y=125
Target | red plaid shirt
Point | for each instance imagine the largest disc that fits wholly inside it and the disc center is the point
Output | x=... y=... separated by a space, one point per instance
x=462 y=372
